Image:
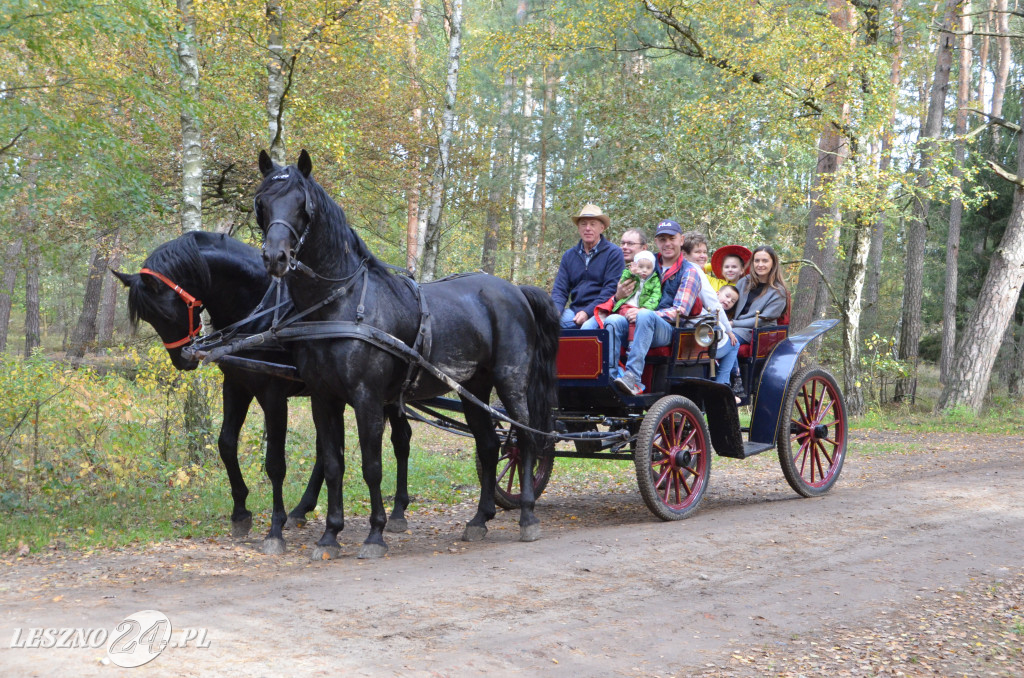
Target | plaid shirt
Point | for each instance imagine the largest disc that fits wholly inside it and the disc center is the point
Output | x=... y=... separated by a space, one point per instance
x=686 y=294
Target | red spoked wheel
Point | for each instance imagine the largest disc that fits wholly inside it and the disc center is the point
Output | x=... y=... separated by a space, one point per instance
x=509 y=473
x=672 y=458
x=812 y=447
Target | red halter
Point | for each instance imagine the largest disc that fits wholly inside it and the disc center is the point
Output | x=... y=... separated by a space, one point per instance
x=191 y=302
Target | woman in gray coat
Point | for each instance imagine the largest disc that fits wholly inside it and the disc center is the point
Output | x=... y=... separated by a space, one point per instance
x=762 y=289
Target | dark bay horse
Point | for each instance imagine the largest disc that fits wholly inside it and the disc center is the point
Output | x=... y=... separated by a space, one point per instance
x=482 y=331
x=228 y=278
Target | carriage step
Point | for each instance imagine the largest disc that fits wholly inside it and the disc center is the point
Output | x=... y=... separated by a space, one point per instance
x=750 y=449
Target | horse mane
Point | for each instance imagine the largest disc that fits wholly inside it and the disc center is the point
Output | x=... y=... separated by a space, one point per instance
x=178 y=259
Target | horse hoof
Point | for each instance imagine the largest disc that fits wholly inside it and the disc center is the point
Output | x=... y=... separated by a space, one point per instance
x=240 y=528
x=274 y=546
x=295 y=522
x=396 y=525
x=325 y=553
x=529 y=532
x=373 y=551
x=474 y=532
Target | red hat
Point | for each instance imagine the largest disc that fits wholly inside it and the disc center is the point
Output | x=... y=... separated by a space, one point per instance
x=728 y=251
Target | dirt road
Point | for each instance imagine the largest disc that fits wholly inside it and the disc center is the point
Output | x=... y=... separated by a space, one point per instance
x=913 y=565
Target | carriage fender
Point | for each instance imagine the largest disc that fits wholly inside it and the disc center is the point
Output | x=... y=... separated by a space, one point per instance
x=774 y=383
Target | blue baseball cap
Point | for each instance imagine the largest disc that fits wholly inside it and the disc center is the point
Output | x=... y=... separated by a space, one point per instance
x=668 y=227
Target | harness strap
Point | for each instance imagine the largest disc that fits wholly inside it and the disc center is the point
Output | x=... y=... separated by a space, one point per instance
x=191 y=302
x=423 y=341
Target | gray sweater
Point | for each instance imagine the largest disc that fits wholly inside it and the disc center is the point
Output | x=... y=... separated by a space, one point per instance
x=771 y=303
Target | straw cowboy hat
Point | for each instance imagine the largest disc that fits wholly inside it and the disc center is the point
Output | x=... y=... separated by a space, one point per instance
x=593 y=212
x=728 y=251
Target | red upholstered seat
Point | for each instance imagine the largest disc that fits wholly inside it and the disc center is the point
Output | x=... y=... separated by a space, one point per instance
x=770 y=338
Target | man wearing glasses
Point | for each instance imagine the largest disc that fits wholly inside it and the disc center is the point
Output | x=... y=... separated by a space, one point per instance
x=633 y=241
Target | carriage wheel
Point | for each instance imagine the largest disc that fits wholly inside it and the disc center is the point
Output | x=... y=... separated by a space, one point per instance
x=673 y=458
x=812 y=447
x=506 y=490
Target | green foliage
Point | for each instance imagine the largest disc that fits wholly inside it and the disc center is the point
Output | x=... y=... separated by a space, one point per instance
x=880 y=368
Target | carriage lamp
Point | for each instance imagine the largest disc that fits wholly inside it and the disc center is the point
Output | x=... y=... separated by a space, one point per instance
x=704 y=333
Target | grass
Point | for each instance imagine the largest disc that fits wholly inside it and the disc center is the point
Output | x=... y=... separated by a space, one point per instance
x=117 y=491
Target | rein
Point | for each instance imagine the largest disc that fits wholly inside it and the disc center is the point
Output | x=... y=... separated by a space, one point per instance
x=191 y=302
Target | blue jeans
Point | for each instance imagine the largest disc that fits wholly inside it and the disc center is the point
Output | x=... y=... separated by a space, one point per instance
x=567 y=319
x=651 y=330
x=728 y=356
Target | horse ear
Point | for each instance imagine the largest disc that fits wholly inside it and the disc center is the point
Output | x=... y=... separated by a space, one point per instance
x=266 y=164
x=305 y=163
x=125 y=278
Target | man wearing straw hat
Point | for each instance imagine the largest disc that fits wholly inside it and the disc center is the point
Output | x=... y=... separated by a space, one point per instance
x=590 y=270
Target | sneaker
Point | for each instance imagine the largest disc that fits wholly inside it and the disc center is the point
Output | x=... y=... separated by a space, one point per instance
x=629 y=384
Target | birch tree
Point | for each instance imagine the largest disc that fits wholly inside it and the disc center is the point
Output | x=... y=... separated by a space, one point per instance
x=191 y=139
x=441 y=168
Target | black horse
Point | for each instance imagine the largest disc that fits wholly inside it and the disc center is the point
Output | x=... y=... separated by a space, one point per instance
x=482 y=331
x=229 y=279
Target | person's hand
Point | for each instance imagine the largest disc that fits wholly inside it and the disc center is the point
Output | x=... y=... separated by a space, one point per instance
x=732 y=339
x=631 y=313
x=580 y=318
x=625 y=289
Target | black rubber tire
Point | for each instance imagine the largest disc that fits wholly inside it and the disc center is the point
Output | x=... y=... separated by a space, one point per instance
x=506 y=490
x=813 y=432
x=673 y=458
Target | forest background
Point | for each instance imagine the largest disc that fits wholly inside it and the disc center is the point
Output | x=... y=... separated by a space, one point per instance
x=874 y=144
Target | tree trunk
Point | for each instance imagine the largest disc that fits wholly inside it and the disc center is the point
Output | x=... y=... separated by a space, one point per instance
x=910 y=329
x=540 y=193
x=275 y=81
x=852 y=309
x=525 y=170
x=1002 y=64
x=33 y=324
x=956 y=207
x=433 y=234
x=85 y=330
x=874 y=272
x=822 y=236
x=498 y=189
x=1015 y=381
x=983 y=57
x=192 y=150
x=413 y=210
x=108 y=299
x=968 y=378
x=12 y=259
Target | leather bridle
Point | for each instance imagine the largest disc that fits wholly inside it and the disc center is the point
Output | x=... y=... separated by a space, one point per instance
x=191 y=302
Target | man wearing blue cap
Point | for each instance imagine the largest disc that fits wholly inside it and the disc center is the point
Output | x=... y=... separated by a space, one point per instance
x=680 y=288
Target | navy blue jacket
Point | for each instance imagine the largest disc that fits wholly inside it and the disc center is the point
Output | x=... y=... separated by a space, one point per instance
x=588 y=284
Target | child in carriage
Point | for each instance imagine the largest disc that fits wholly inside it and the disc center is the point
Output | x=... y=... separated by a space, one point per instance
x=726 y=265
x=647 y=288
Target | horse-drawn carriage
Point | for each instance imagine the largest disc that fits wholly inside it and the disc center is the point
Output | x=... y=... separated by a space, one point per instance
x=670 y=430
x=358 y=335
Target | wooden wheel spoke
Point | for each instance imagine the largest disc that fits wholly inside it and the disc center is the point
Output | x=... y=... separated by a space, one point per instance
x=824 y=453
x=505 y=469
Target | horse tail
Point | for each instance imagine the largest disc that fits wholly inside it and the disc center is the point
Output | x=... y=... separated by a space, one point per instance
x=542 y=391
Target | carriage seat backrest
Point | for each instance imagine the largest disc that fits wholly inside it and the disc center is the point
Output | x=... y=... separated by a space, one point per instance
x=767 y=336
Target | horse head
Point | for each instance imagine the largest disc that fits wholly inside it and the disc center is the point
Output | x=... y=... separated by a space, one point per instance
x=284 y=210
x=164 y=293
